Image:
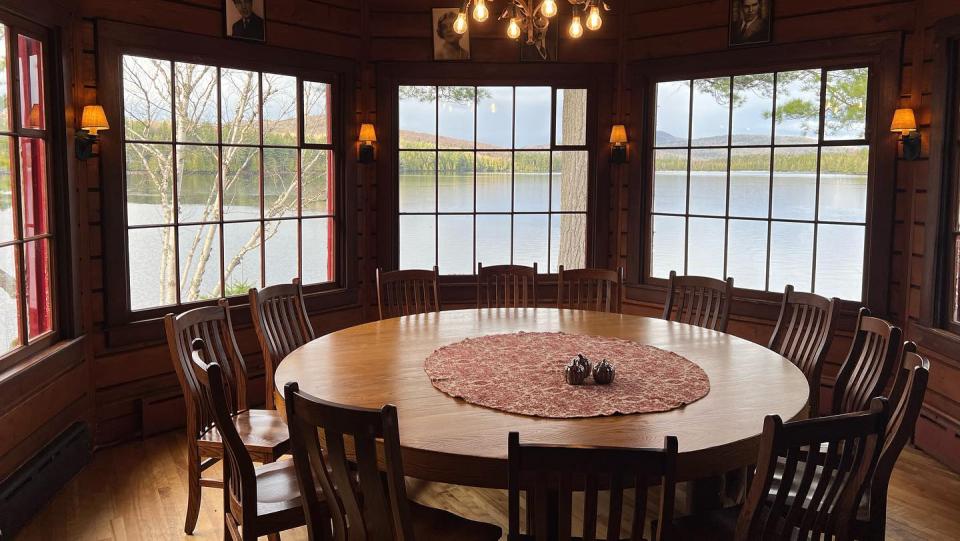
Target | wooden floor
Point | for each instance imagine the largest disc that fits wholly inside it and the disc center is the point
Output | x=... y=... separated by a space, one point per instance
x=138 y=491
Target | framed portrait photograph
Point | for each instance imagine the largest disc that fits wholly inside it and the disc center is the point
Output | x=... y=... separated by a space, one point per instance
x=447 y=44
x=244 y=19
x=750 y=21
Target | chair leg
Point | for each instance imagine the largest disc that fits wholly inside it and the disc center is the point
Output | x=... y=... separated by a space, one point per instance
x=193 y=491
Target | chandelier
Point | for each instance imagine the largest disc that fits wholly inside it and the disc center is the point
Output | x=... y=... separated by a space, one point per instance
x=530 y=19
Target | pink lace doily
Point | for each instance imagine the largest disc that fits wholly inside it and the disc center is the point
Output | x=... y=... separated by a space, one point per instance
x=523 y=373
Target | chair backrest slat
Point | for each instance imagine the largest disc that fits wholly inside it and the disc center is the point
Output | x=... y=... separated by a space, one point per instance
x=407 y=292
x=599 y=290
x=699 y=300
x=506 y=286
x=868 y=365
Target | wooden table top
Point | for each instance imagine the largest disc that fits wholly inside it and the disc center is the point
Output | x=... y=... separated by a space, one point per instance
x=447 y=440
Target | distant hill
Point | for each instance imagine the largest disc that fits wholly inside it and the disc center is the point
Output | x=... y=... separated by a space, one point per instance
x=668 y=140
x=414 y=139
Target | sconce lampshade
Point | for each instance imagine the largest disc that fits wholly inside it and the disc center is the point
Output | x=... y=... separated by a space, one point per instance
x=367 y=134
x=94 y=119
x=904 y=121
x=618 y=134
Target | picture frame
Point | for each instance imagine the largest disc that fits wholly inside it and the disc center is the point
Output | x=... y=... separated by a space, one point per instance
x=448 y=46
x=245 y=19
x=751 y=22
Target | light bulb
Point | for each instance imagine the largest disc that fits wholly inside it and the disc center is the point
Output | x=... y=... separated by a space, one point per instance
x=594 y=21
x=576 y=29
x=480 y=12
x=460 y=25
x=514 y=29
x=548 y=8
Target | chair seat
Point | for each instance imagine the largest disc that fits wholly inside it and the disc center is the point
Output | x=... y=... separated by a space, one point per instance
x=277 y=489
x=717 y=525
x=436 y=524
x=264 y=434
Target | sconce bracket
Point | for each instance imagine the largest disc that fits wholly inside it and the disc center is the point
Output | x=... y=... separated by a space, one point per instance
x=618 y=154
x=83 y=146
x=366 y=154
x=911 y=145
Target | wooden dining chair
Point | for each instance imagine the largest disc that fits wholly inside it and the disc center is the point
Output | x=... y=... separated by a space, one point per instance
x=803 y=334
x=257 y=501
x=407 y=292
x=698 y=300
x=599 y=290
x=549 y=474
x=263 y=431
x=868 y=365
x=363 y=504
x=506 y=286
x=280 y=319
x=787 y=498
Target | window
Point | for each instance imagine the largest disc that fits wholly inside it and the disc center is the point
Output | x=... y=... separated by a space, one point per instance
x=492 y=174
x=26 y=240
x=763 y=177
x=229 y=178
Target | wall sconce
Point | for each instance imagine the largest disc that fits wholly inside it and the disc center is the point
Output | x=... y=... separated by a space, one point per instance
x=368 y=136
x=905 y=123
x=618 y=138
x=92 y=121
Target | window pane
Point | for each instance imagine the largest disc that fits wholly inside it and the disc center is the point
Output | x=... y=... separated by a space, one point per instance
x=670 y=181
x=153 y=273
x=146 y=99
x=280 y=261
x=846 y=107
x=36 y=261
x=571 y=116
x=241 y=258
x=279 y=110
x=196 y=99
x=747 y=253
x=31 y=82
x=199 y=262
x=418 y=182
x=418 y=242
x=455 y=242
x=530 y=240
x=798 y=107
x=493 y=240
x=317 y=178
x=708 y=181
x=418 y=117
x=239 y=107
x=318 y=256
x=455 y=181
x=711 y=112
x=317 y=103
x=9 y=310
x=840 y=261
x=532 y=123
x=531 y=189
x=198 y=187
x=4 y=106
x=791 y=256
x=794 y=183
x=667 y=246
x=569 y=184
x=705 y=248
x=495 y=117
x=673 y=113
x=749 y=182
x=279 y=182
x=7 y=216
x=456 y=116
x=568 y=241
x=241 y=183
x=494 y=181
x=752 y=109
x=843 y=183
x=149 y=184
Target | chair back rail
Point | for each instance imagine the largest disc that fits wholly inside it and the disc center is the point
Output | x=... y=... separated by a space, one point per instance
x=600 y=290
x=803 y=334
x=868 y=365
x=407 y=292
x=506 y=286
x=698 y=300
x=282 y=325
x=550 y=474
x=350 y=434
x=825 y=463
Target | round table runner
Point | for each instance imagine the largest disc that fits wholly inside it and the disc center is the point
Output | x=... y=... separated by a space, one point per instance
x=523 y=373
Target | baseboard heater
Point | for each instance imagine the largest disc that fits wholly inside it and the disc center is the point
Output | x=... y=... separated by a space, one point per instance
x=28 y=489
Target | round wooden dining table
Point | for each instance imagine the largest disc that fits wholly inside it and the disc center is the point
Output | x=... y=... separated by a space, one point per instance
x=445 y=439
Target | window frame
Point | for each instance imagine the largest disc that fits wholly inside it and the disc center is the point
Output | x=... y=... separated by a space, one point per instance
x=116 y=40
x=876 y=52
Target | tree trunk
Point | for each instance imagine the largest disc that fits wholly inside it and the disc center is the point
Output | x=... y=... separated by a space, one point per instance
x=573 y=188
